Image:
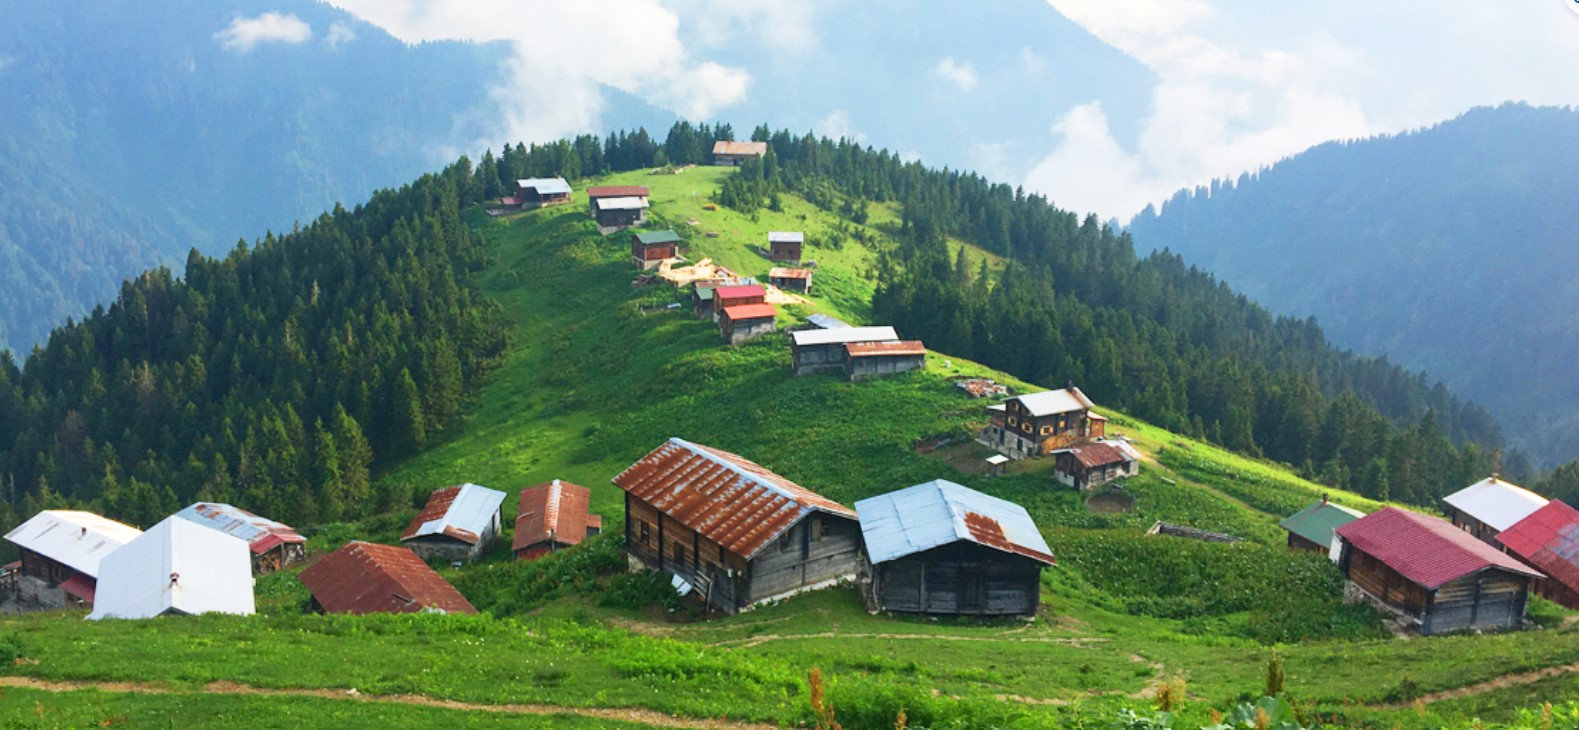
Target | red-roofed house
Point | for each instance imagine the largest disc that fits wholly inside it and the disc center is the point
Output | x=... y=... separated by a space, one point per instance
x=790 y=279
x=732 y=531
x=1432 y=574
x=1090 y=465
x=553 y=516
x=365 y=577
x=737 y=294
x=1548 y=539
x=743 y=322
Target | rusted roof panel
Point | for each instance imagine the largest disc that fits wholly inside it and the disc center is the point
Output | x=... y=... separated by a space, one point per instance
x=1427 y=550
x=749 y=311
x=1099 y=453
x=919 y=518
x=880 y=349
x=365 y=577
x=617 y=191
x=1549 y=540
x=989 y=532
x=780 y=272
x=261 y=533
x=463 y=512
x=554 y=511
x=727 y=498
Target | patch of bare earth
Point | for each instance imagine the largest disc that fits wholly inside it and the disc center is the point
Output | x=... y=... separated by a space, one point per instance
x=1491 y=685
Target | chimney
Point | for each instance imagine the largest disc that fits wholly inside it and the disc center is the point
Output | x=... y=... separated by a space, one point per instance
x=83 y=534
x=1323 y=497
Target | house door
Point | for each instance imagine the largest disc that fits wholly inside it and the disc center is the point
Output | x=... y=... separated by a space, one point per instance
x=972 y=589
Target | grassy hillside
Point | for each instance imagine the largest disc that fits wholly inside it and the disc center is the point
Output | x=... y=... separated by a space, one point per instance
x=597 y=377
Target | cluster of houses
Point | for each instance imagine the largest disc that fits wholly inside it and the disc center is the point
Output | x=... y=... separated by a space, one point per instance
x=1062 y=424
x=1473 y=571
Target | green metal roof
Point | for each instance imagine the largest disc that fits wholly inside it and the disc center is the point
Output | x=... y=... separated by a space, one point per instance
x=648 y=239
x=1316 y=522
x=704 y=294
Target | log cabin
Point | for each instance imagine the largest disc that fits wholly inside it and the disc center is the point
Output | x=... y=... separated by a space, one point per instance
x=730 y=531
x=1036 y=424
x=729 y=153
x=1086 y=466
x=744 y=322
x=542 y=191
x=1311 y=529
x=942 y=548
x=1490 y=506
x=616 y=207
x=785 y=245
x=864 y=360
x=61 y=555
x=1548 y=540
x=735 y=295
x=1434 y=576
x=651 y=248
x=273 y=545
x=797 y=280
x=458 y=523
x=364 y=577
x=551 y=517
x=816 y=350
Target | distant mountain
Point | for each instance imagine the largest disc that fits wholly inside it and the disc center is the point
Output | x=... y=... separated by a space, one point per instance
x=1454 y=249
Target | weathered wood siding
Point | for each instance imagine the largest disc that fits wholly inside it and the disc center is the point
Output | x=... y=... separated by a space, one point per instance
x=1491 y=599
x=1477 y=528
x=819 y=548
x=1376 y=578
x=737 y=332
x=1295 y=542
x=876 y=366
x=664 y=544
x=780 y=251
x=959 y=579
x=816 y=358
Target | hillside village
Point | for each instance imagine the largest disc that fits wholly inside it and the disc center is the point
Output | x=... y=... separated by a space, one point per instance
x=727 y=535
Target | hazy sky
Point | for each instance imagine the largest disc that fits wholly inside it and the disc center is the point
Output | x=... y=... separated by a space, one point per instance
x=1242 y=83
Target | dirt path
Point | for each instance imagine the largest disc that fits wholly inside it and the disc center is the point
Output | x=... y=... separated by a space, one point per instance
x=751 y=641
x=1490 y=685
x=646 y=717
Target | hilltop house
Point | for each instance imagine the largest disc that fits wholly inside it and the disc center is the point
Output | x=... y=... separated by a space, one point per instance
x=364 y=577
x=61 y=555
x=178 y=567
x=941 y=548
x=458 y=523
x=1490 y=506
x=540 y=191
x=790 y=279
x=785 y=245
x=1037 y=424
x=1311 y=529
x=1431 y=574
x=1086 y=466
x=728 y=153
x=650 y=249
x=1548 y=540
x=730 y=530
x=874 y=359
x=551 y=517
x=616 y=207
x=823 y=349
x=273 y=545
x=744 y=322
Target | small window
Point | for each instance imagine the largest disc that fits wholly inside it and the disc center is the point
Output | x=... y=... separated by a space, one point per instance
x=1026 y=427
x=1047 y=430
x=1014 y=421
x=646 y=533
x=679 y=554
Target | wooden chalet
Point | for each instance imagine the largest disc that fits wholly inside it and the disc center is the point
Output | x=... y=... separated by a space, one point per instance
x=735 y=295
x=864 y=360
x=732 y=532
x=177 y=568
x=815 y=350
x=1490 y=506
x=744 y=322
x=617 y=207
x=941 y=548
x=1311 y=529
x=61 y=554
x=273 y=545
x=651 y=248
x=541 y=191
x=728 y=153
x=1034 y=425
x=790 y=279
x=1548 y=540
x=457 y=524
x=365 y=577
x=702 y=298
x=1433 y=575
x=551 y=517
x=785 y=245
x=1086 y=466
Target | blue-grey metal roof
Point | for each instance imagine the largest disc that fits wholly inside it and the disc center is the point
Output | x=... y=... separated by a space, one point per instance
x=826 y=322
x=545 y=185
x=236 y=522
x=940 y=512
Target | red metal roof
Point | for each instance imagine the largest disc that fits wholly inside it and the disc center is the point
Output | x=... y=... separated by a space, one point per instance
x=727 y=498
x=365 y=577
x=556 y=510
x=750 y=311
x=1427 y=550
x=80 y=586
x=438 y=505
x=740 y=291
x=1549 y=540
x=1097 y=454
x=617 y=191
x=987 y=531
x=878 y=349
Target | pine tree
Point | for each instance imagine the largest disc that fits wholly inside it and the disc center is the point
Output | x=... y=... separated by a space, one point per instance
x=409 y=432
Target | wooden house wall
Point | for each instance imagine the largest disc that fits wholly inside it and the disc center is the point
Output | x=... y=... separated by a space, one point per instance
x=780 y=251
x=1553 y=590
x=620 y=218
x=819 y=548
x=44 y=568
x=962 y=579
x=878 y=365
x=1295 y=542
x=664 y=544
x=1477 y=528
x=746 y=329
x=722 y=303
x=816 y=358
x=1491 y=599
x=282 y=555
x=1380 y=580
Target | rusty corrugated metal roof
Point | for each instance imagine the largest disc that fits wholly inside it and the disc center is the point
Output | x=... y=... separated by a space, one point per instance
x=919 y=518
x=617 y=191
x=462 y=512
x=750 y=311
x=729 y=147
x=364 y=577
x=781 y=272
x=556 y=510
x=1427 y=550
x=261 y=533
x=727 y=498
x=878 y=349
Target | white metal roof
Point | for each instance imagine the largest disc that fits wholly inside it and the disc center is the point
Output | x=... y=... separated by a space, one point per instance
x=77 y=539
x=786 y=237
x=545 y=185
x=841 y=335
x=925 y=516
x=472 y=510
x=826 y=322
x=1049 y=402
x=177 y=566
x=1497 y=503
x=629 y=202
x=997 y=459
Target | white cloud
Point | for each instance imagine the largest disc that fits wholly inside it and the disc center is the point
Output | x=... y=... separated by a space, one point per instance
x=960 y=74
x=1031 y=62
x=838 y=125
x=339 y=33
x=774 y=26
x=243 y=34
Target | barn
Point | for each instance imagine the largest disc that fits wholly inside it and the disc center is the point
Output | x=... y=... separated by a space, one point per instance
x=61 y=555
x=458 y=523
x=273 y=545
x=1548 y=540
x=541 y=191
x=785 y=245
x=823 y=349
x=1490 y=506
x=790 y=279
x=553 y=516
x=731 y=531
x=616 y=207
x=177 y=568
x=1086 y=466
x=744 y=322
x=942 y=548
x=650 y=249
x=1310 y=529
x=1036 y=424
x=1433 y=575
x=365 y=577
x=729 y=153
x=864 y=360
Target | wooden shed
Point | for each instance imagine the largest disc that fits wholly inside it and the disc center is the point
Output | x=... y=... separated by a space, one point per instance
x=551 y=517
x=735 y=295
x=1548 y=540
x=1086 y=466
x=815 y=350
x=941 y=548
x=542 y=191
x=864 y=360
x=458 y=523
x=790 y=279
x=744 y=322
x=651 y=248
x=365 y=577
x=785 y=245
x=730 y=531
x=274 y=545
x=1036 y=424
x=615 y=207
x=1490 y=506
x=61 y=553
x=1431 y=574
x=1311 y=529
x=729 y=153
